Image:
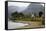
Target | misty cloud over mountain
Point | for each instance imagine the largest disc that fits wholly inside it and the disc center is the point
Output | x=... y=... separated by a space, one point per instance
x=32 y=8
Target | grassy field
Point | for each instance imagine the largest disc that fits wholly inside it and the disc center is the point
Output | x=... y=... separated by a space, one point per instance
x=30 y=19
x=34 y=19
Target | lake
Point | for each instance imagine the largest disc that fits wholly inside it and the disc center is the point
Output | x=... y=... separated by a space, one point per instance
x=14 y=25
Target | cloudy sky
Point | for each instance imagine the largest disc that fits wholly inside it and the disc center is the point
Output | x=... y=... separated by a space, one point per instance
x=21 y=5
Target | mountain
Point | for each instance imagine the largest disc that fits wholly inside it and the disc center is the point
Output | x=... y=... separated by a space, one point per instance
x=12 y=9
x=33 y=8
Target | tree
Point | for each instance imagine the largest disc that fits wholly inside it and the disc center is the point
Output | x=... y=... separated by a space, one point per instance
x=14 y=15
x=21 y=14
x=40 y=13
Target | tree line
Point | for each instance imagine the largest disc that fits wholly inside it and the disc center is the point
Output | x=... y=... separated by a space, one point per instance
x=15 y=15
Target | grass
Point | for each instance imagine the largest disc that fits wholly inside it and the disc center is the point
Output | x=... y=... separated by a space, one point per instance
x=34 y=19
x=30 y=19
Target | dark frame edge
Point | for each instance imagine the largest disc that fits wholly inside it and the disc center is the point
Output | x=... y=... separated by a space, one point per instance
x=6 y=15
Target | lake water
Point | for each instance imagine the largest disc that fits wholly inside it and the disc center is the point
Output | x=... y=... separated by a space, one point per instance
x=14 y=25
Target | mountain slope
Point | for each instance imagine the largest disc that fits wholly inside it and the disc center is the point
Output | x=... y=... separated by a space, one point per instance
x=33 y=8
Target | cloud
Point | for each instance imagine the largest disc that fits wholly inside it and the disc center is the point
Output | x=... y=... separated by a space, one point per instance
x=19 y=4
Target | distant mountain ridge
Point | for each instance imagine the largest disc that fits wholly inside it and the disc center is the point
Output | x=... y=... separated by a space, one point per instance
x=32 y=8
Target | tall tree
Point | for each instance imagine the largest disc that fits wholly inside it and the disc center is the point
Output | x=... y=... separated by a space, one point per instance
x=40 y=13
